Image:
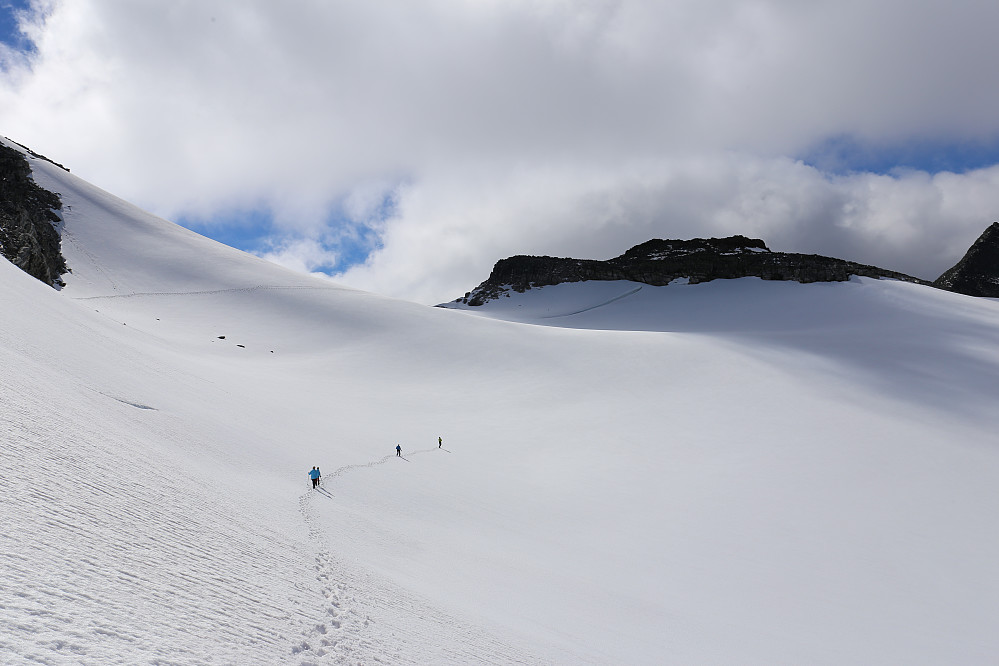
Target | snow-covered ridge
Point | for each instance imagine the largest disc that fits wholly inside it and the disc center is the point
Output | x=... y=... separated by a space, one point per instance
x=755 y=472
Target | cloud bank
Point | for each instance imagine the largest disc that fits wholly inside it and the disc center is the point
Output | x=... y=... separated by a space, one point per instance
x=407 y=146
x=448 y=231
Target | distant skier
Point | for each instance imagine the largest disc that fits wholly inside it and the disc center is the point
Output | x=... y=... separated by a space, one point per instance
x=440 y=442
x=398 y=450
x=314 y=474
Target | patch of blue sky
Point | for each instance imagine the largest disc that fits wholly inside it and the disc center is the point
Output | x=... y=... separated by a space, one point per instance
x=248 y=230
x=354 y=244
x=845 y=154
x=10 y=32
x=256 y=232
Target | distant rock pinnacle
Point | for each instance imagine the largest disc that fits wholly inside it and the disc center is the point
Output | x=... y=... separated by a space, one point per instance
x=977 y=274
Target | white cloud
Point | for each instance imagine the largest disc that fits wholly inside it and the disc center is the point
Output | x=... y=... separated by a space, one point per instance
x=302 y=255
x=447 y=233
x=516 y=126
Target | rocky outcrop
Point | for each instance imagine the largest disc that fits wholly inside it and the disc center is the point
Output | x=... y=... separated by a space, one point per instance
x=28 y=236
x=660 y=262
x=977 y=274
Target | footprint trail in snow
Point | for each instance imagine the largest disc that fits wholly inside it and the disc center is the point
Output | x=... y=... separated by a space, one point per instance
x=370 y=620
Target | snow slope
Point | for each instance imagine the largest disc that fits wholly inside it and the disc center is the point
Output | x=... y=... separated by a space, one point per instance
x=737 y=471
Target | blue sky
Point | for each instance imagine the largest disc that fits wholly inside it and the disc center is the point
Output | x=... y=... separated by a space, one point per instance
x=348 y=244
x=9 y=32
x=405 y=147
x=845 y=154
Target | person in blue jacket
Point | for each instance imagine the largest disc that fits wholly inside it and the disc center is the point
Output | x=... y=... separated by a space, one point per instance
x=314 y=474
x=398 y=450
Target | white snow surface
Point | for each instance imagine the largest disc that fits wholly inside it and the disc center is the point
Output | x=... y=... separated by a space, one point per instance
x=733 y=472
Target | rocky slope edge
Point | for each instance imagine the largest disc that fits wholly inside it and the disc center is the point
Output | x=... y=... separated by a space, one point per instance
x=977 y=274
x=660 y=262
x=29 y=238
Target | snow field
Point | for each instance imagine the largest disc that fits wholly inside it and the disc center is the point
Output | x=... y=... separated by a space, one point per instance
x=741 y=514
x=750 y=472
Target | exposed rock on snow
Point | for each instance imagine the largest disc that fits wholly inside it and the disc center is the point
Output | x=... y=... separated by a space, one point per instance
x=659 y=262
x=28 y=237
x=977 y=274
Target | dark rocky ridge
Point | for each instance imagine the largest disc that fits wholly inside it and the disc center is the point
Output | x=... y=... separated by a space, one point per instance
x=659 y=262
x=977 y=274
x=38 y=155
x=28 y=236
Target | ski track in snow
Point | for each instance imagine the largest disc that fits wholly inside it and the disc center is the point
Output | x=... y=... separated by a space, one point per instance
x=210 y=292
x=594 y=307
x=79 y=247
x=96 y=545
x=372 y=621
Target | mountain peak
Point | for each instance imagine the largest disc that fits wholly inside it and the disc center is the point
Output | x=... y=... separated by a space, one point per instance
x=659 y=262
x=977 y=274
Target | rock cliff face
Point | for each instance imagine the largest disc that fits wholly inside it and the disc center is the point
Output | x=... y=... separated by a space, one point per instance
x=659 y=262
x=977 y=274
x=28 y=236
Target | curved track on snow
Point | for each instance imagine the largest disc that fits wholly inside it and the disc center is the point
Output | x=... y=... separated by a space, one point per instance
x=369 y=619
x=210 y=292
x=594 y=307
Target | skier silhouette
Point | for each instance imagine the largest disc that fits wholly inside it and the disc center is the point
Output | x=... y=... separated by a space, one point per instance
x=314 y=474
x=398 y=450
x=440 y=442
